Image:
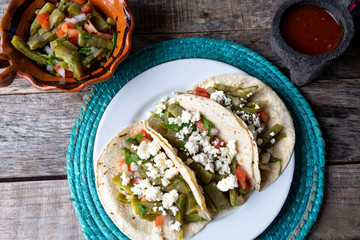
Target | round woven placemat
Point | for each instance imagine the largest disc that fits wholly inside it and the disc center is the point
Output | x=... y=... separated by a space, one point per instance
x=302 y=206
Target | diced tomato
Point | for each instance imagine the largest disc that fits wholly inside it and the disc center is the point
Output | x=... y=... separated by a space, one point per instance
x=56 y=68
x=220 y=143
x=241 y=177
x=43 y=20
x=145 y=134
x=200 y=125
x=68 y=74
x=65 y=27
x=59 y=32
x=90 y=28
x=73 y=35
x=79 y=1
x=264 y=116
x=136 y=180
x=86 y=9
x=159 y=220
x=202 y=92
x=105 y=35
x=145 y=139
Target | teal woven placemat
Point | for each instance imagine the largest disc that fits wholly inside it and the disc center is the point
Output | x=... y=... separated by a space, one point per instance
x=302 y=206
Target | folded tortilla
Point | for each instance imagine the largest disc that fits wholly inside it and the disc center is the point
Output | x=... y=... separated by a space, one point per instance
x=279 y=114
x=122 y=213
x=230 y=128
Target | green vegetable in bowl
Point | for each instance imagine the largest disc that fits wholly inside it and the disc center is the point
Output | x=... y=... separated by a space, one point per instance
x=69 y=39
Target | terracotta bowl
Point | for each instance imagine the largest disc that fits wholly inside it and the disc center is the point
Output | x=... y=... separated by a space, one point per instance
x=17 y=20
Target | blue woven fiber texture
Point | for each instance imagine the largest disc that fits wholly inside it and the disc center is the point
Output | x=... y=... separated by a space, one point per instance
x=302 y=206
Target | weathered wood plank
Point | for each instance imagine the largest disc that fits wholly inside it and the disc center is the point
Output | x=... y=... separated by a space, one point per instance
x=348 y=65
x=48 y=203
x=38 y=210
x=336 y=105
x=339 y=216
x=34 y=132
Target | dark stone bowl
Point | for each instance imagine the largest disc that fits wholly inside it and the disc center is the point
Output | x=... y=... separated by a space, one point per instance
x=303 y=67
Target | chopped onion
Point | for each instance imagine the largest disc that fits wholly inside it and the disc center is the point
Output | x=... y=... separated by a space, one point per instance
x=93 y=49
x=214 y=131
x=124 y=167
x=48 y=50
x=61 y=71
x=134 y=167
x=80 y=17
x=72 y=20
x=49 y=68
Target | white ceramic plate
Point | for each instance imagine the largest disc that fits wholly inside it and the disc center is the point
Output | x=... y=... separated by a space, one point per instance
x=138 y=97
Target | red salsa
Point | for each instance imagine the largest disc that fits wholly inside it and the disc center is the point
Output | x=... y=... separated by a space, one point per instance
x=311 y=30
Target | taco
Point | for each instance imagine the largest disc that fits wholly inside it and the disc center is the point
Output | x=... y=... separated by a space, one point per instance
x=145 y=193
x=265 y=115
x=213 y=144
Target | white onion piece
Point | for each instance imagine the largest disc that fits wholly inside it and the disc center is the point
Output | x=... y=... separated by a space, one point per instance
x=134 y=167
x=61 y=71
x=80 y=17
x=48 y=50
x=93 y=49
x=49 y=68
x=72 y=20
x=124 y=167
x=214 y=131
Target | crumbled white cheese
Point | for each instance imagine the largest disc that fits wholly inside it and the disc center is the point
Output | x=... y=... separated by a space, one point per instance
x=160 y=107
x=227 y=183
x=125 y=179
x=170 y=198
x=272 y=141
x=174 y=210
x=147 y=149
x=176 y=226
x=170 y=173
x=144 y=188
x=259 y=141
x=176 y=120
x=272 y=134
x=217 y=96
x=152 y=171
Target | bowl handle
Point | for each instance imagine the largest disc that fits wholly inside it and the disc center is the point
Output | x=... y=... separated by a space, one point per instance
x=8 y=75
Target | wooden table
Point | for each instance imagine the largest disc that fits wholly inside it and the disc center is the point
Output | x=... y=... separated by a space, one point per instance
x=35 y=125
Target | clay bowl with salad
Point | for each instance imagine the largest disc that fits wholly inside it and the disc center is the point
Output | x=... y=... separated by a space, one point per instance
x=64 y=44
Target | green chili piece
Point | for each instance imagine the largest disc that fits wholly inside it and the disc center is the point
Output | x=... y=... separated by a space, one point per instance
x=225 y=88
x=118 y=181
x=21 y=45
x=254 y=104
x=232 y=197
x=98 y=21
x=181 y=205
x=269 y=134
x=204 y=175
x=209 y=203
x=73 y=62
x=180 y=185
x=95 y=57
x=219 y=199
x=175 y=110
x=75 y=8
x=191 y=205
x=121 y=198
x=111 y=21
x=193 y=218
x=56 y=17
x=233 y=166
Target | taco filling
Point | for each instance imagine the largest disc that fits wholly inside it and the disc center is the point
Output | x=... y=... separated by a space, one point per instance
x=199 y=146
x=151 y=183
x=239 y=101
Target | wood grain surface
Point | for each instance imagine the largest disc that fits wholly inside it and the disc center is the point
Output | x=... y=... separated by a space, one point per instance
x=35 y=125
